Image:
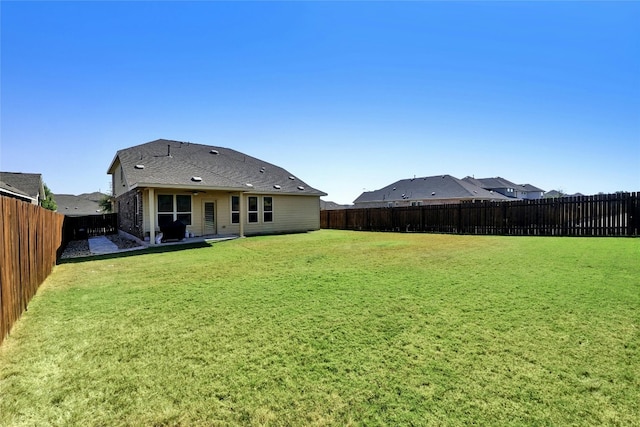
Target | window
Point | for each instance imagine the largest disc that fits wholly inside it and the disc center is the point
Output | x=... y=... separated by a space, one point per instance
x=183 y=211
x=252 y=208
x=174 y=207
x=165 y=209
x=235 y=209
x=267 y=211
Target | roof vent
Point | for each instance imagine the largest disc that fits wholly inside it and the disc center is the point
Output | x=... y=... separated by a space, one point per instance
x=292 y=177
x=196 y=178
x=216 y=152
x=394 y=188
x=139 y=166
x=262 y=169
x=277 y=187
x=249 y=185
x=300 y=187
x=433 y=193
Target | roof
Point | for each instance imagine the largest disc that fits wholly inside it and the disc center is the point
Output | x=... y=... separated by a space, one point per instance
x=26 y=183
x=80 y=205
x=328 y=205
x=529 y=187
x=499 y=182
x=11 y=191
x=429 y=188
x=175 y=164
x=491 y=183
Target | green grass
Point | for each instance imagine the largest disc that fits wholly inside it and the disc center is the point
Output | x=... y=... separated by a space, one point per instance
x=335 y=328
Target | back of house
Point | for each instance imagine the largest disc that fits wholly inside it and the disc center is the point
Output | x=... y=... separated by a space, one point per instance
x=211 y=190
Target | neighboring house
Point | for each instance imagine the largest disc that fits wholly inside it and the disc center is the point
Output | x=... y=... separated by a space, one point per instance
x=213 y=190
x=529 y=192
x=328 y=206
x=555 y=194
x=431 y=190
x=81 y=205
x=27 y=187
x=507 y=188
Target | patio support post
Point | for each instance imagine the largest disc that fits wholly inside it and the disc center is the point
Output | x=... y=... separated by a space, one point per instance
x=152 y=217
x=242 y=214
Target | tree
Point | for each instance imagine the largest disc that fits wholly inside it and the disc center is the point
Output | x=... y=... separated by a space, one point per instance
x=105 y=204
x=48 y=202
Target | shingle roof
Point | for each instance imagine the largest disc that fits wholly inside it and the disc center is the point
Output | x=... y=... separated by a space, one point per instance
x=81 y=205
x=175 y=164
x=428 y=188
x=499 y=182
x=529 y=187
x=11 y=191
x=491 y=183
x=27 y=183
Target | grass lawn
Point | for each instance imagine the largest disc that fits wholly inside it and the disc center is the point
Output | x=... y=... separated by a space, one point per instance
x=335 y=328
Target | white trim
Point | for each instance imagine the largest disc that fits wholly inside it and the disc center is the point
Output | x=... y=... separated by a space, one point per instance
x=152 y=217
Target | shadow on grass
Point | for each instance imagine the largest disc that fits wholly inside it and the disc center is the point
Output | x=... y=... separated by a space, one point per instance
x=136 y=252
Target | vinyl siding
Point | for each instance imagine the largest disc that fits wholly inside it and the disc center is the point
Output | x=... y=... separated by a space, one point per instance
x=118 y=183
x=290 y=213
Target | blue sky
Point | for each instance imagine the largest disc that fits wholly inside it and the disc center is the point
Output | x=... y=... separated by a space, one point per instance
x=349 y=96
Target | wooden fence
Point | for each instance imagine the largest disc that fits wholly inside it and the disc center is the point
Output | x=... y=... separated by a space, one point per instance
x=602 y=215
x=82 y=227
x=29 y=238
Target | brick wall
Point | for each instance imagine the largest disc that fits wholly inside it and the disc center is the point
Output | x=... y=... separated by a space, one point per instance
x=129 y=207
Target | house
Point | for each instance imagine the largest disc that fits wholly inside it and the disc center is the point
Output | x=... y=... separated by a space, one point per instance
x=80 y=205
x=27 y=187
x=507 y=188
x=529 y=192
x=555 y=194
x=212 y=190
x=329 y=206
x=431 y=190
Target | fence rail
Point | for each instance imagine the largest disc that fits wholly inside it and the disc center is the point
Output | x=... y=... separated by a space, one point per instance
x=602 y=215
x=29 y=239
